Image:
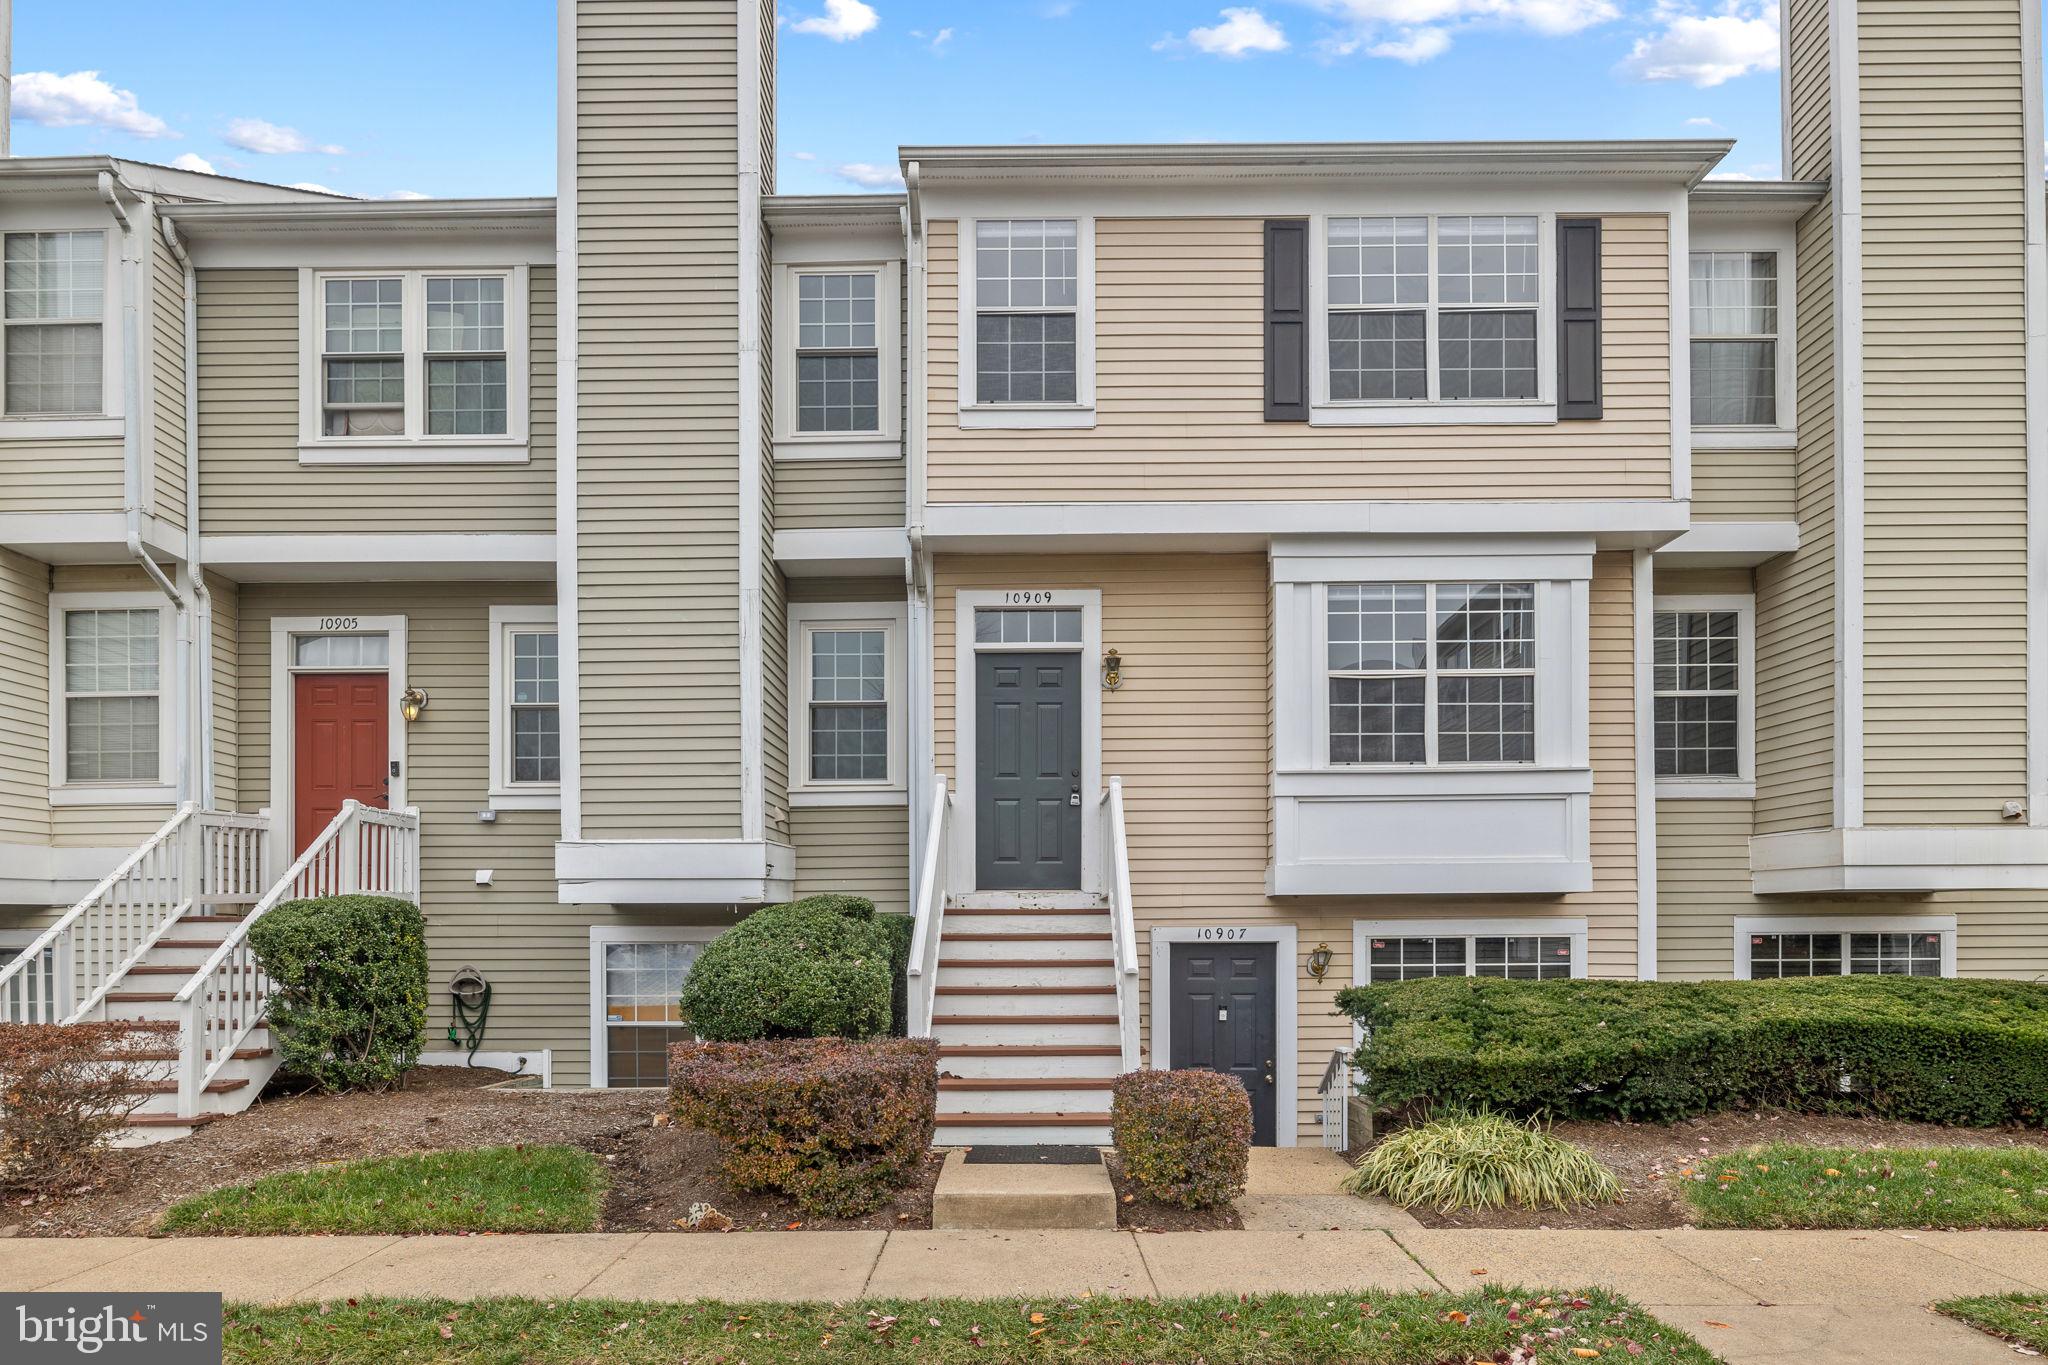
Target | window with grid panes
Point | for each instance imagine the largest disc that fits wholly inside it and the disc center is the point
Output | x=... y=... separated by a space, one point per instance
x=465 y=355
x=838 y=359
x=1431 y=673
x=1522 y=957
x=1411 y=959
x=1027 y=307
x=113 y=695
x=52 y=301
x=643 y=989
x=1734 y=308
x=1880 y=953
x=1698 y=693
x=849 y=705
x=536 y=748
x=363 y=357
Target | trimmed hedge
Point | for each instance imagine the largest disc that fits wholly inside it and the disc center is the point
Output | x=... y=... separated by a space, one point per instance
x=1938 y=1051
x=349 y=976
x=836 y=1125
x=814 y=968
x=1185 y=1137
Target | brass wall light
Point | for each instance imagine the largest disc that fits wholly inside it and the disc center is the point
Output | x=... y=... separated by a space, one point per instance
x=1319 y=961
x=1112 y=671
x=411 y=702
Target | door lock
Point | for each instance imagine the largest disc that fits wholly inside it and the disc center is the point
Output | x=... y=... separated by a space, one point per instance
x=1269 y=1078
x=1073 y=796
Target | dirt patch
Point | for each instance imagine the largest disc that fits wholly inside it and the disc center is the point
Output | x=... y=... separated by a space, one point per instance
x=1137 y=1211
x=1647 y=1158
x=657 y=1170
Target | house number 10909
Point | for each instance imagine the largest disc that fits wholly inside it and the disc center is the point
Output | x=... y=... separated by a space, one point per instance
x=1027 y=599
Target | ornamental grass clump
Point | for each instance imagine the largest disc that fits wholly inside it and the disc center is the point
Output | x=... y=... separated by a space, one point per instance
x=1481 y=1161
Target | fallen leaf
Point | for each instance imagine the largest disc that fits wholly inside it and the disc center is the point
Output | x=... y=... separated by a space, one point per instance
x=1479 y=1270
x=1585 y=1353
x=1037 y=1318
x=1711 y=1323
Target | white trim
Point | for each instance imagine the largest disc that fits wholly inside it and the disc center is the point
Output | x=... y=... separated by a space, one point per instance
x=965 y=602
x=170 y=693
x=2034 y=215
x=1845 y=95
x=604 y=934
x=504 y=793
x=415 y=447
x=567 y=412
x=1573 y=927
x=753 y=446
x=1679 y=292
x=509 y=1061
x=1729 y=544
x=1642 y=596
x=1780 y=237
x=1743 y=784
x=282 y=690
x=973 y=413
x=1900 y=860
x=260 y=558
x=884 y=443
x=891 y=618
x=1286 y=1009
x=54 y=428
x=85 y=537
x=1747 y=925
x=843 y=552
x=729 y=872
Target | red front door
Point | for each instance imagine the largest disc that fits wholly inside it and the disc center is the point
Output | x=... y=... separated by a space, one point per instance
x=341 y=748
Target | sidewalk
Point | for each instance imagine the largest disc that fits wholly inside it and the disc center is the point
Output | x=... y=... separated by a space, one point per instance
x=1750 y=1296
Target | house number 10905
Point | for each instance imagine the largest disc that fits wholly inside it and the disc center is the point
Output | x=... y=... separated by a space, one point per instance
x=338 y=622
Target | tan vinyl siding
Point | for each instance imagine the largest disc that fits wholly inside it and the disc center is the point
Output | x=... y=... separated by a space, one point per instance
x=1808 y=119
x=1198 y=813
x=60 y=475
x=251 y=480
x=829 y=493
x=1946 y=173
x=227 y=710
x=24 y=699
x=1743 y=485
x=657 y=473
x=167 y=382
x=1179 y=388
x=1795 y=671
x=861 y=850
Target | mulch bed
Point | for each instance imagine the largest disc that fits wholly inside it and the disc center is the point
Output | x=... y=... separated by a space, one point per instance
x=1646 y=1159
x=658 y=1170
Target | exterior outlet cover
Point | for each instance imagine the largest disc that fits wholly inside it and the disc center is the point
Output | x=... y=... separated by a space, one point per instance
x=483 y=875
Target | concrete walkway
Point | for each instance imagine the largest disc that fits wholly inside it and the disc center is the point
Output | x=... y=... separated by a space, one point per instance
x=1750 y=1296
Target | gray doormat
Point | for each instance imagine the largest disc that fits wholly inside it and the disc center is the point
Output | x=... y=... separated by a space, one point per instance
x=1033 y=1156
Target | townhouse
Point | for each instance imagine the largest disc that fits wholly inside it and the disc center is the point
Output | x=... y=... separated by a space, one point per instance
x=1188 y=579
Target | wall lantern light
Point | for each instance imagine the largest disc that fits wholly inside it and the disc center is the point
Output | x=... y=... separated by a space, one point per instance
x=1319 y=961
x=411 y=702
x=1112 y=671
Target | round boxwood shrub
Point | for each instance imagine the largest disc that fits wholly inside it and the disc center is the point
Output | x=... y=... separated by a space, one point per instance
x=349 y=988
x=814 y=968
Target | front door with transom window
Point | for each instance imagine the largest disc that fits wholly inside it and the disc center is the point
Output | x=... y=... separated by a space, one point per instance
x=1027 y=771
x=341 y=748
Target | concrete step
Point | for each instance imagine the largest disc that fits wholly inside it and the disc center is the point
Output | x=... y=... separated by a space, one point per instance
x=986 y=1195
x=981 y=1030
x=984 y=902
x=1025 y=971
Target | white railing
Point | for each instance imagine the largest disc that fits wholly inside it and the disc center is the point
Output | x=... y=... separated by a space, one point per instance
x=197 y=860
x=375 y=852
x=1123 y=933
x=929 y=909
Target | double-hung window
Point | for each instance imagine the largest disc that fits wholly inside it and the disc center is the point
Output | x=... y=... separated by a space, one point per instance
x=526 y=708
x=1027 y=311
x=1516 y=951
x=1431 y=673
x=838 y=355
x=846 y=716
x=53 y=360
x=1701 y=671
x=1734 y=308
x=109 y=698
x=1433 y=309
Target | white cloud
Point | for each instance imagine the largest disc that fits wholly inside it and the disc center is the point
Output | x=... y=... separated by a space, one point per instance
x=869 y=176
x=935 y=41
x=83 y=100
x=1415 y=46
x=1415 y=31
x=1057 y=9
x=805 y=156
x=1243 y=31
x=315 y=188
x=1730 y=175
x=1706 y=49
x=405 y=195
x=1701 y=123
x=270 y=139
x=192 y=161
x=842 y=20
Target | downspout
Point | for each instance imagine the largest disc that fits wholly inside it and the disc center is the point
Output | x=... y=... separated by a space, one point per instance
x=917 y=568
x=202 y=600
x=751 y=447
x=131 y=454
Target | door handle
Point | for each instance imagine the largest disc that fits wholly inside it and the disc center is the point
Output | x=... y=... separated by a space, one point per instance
x=1269 y=1078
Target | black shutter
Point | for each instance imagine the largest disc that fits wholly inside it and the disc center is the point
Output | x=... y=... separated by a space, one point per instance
x=1578 y=319
x=1287 y=320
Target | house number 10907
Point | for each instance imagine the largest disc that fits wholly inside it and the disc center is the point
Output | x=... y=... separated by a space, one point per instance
x=1221 y=934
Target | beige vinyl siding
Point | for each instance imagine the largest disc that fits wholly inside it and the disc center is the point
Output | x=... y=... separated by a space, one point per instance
x=24 y=699
x=861 y=850
x=1808 y=120
x=167 y=382
x=1179 y=328
x=657 y=479
x=251 y=481
x=227 y=709
x=828 y=493
x=1945 y=177
x=1795 y=631
x=1743 y=485
x=60 y=475
x=1198 y=813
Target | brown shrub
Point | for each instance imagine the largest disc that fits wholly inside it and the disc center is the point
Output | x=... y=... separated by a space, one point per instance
x=64 y=1089
x=1184 y=1136
x=834 y=1124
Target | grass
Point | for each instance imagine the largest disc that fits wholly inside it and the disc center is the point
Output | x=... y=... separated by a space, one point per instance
x=1481 y=1161
x=1787 y=1186
x=2019 y=1318
x=482 y=1189
x=1351 y=1329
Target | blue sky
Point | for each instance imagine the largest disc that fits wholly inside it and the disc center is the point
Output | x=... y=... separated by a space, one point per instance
x=456 y=97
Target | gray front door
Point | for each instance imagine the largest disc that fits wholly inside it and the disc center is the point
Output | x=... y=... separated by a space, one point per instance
x=1226 y=1018
x=1027 y=772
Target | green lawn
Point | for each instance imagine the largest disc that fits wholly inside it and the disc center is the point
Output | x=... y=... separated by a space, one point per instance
x=1787 y=1186
x=483 y=1189
x=1351 y=1329
x=2021 y=1318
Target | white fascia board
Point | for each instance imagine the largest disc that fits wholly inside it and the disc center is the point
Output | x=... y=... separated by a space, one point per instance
x=674 y=871
x=1919 y=859
x=1451 y=877
x=852 y=552
x=322 y=558
x=1615 y=523
x=1729 y=544
x=84 y=537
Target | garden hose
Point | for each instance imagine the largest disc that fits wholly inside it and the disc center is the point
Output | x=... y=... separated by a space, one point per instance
x=468 y=1028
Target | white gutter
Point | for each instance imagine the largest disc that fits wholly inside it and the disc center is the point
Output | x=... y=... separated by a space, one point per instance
x=753 y=801
x=917 y=570
x=202 y=600
x=567 y=330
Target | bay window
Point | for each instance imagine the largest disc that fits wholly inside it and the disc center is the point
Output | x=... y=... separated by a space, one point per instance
x=1734 y=307
x=52 y=363
x=1701 y=677
x=1432 y=673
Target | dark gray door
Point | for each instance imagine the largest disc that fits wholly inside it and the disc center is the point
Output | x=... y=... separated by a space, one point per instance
x=1027 y=772
x=1226 y=1018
